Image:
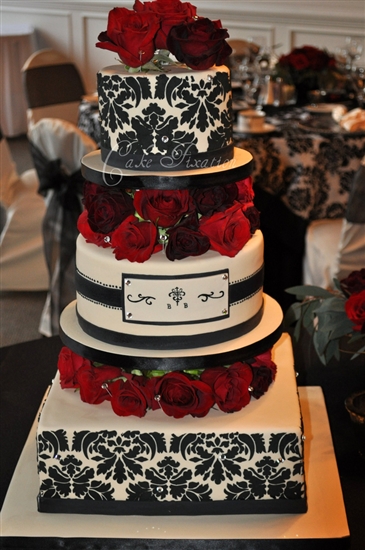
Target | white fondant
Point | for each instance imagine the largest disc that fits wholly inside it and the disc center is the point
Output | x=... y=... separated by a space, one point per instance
x=99 y=265
x=277 y=412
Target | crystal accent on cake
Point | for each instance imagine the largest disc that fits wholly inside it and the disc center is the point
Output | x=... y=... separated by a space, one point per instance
x=180 y=120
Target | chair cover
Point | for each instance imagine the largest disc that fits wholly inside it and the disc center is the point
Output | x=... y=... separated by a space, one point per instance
x=335 y=248
x=22 y=260
x=53 y=87
x=57 y=147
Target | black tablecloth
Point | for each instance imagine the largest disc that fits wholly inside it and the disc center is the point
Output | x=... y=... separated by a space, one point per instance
x=26 y=371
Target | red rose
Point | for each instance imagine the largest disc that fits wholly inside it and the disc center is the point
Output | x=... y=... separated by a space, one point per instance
x=171 y=13
x=355 y=282
x=179 y=395
x=106 y=208
x=186 y=240
x=131 y=35
x=200 y=44
x=253 y=216
x=230 y=385
x=213 y=199
x=264 y=372
x=131 y=397
x=91 y=380
x=355 y=310
x=163 y=208
x=134 y=240
x=89 y=235
x=227 y=231
x=68 y=365
x=245 y=191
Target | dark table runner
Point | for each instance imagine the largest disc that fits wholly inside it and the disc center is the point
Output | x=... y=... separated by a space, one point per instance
x=26 y=371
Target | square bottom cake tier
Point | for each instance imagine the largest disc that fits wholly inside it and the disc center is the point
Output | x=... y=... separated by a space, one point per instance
x=91 y=461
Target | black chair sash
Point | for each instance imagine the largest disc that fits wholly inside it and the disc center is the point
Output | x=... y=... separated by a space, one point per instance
x=59 y=228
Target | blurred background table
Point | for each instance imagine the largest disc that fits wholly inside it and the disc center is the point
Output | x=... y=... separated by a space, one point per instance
x=303 y=170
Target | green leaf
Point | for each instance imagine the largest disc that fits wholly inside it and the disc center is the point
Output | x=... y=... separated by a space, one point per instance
x=309 y=290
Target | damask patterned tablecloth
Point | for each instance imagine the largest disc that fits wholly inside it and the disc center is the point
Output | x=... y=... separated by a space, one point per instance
x=309 y=162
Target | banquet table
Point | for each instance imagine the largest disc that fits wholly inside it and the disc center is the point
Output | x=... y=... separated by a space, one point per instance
x=28 y=368
x=303 y=167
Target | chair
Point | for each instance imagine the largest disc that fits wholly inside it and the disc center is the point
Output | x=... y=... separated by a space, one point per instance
x=335 y=248
x=53 y=87
x=22 y=262
x=57 y=147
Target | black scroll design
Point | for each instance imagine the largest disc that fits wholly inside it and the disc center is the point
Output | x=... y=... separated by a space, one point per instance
x=141 y=298
x=205 y=297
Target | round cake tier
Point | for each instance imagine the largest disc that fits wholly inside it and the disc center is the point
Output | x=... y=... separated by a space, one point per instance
x=165 y=121
x=161 y=304
x=95 y=170
x=257 y=341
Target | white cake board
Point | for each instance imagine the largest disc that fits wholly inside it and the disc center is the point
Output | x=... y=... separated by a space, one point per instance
x=325 y=519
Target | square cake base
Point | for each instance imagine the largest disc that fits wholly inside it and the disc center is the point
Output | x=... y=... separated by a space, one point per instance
x=92 y=461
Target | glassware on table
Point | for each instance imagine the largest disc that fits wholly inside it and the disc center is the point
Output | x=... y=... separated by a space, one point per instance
x=353 y=50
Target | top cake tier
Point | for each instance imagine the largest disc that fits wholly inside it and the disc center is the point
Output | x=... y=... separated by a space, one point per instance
x=165 y=121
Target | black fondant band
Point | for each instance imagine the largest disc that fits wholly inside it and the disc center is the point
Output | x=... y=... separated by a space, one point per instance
x=112 y=297
x=165 y=364
x=117 y=179
x=183 y=508
x=170 y=162
x=169 y=342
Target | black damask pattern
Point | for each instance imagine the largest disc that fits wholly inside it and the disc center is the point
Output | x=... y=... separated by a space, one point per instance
x=196 y=107
x=190 y=467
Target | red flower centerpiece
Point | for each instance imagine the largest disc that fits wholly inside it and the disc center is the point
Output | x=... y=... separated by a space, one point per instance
x=309 y=68
x=144 y=37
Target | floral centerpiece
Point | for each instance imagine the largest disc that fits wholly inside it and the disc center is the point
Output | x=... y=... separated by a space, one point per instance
x=331 y=316
x=184 y=222
x=145 y=36
x=310 y=68
x=176 y=393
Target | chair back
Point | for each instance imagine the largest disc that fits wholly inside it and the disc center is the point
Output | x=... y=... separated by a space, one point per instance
x=350 y=254
x=57 y=147
x=53 y=87
x=335 y=248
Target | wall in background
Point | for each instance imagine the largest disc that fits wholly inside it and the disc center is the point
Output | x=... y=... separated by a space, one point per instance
x=73 y=26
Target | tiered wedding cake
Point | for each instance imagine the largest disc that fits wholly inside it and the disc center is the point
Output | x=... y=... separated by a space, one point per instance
x=159 y=404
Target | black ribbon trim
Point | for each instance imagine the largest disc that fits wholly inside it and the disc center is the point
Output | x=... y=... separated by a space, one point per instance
x=169 y=342
x=184 y=508
x=167 y=364
x=150 y=162
x=139 y=361
x=165 y=182
x=113 y=297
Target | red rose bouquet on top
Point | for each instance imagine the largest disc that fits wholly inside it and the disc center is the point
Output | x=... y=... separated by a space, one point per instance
x=137 y=224
x=145 y=36
x=330 y=316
